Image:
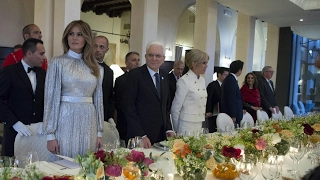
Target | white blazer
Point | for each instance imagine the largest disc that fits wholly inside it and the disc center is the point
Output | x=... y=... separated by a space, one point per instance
x=189 y=103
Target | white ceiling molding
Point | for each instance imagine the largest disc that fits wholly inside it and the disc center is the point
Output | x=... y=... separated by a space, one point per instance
x=308 y=31
x=308 y=5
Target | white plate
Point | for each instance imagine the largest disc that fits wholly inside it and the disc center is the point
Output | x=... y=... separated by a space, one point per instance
x=164 y=143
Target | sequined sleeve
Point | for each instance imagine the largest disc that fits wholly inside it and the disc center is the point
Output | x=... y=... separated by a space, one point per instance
x=98 y=103
x=52 y=96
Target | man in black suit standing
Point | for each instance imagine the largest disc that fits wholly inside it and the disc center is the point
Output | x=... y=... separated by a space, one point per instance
x=178 y=68
x=21 y=94
x=101 y=47
x=267 y=92
x=231 y=101
x=148 y=99
x=132 y=61
x=214 y=98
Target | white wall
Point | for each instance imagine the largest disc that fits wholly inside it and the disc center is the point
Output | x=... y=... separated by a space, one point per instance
x=14 y=15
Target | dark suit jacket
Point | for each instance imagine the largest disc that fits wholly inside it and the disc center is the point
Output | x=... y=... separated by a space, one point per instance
x=107 y=87
x=119 y=94
x=231 y=101
x=172 y=85
x=18 y=102
x=214 y=96
x=147 y=114
x=268 y=97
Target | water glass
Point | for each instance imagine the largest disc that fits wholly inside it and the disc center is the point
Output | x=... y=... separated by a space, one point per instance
x=205 y=131
x=139 y=142
x=18 y=161
x=131 y=143
x=247 y=167
x=296 y=152
x=228 y=129
x=32 y=158
x=270 y=169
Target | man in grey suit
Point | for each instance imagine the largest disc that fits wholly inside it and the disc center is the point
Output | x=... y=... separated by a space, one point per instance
x=148 y=99
x=267 y=91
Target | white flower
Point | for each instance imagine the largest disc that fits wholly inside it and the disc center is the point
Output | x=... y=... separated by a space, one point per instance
x=276 y=138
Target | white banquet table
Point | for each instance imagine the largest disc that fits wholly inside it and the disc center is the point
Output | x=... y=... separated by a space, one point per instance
x=50 y=168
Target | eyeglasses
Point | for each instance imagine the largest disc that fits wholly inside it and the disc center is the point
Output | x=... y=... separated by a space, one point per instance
x=158 y=56
x=270 y=71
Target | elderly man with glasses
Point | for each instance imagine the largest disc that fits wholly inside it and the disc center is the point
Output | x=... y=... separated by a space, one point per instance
x=267 y=91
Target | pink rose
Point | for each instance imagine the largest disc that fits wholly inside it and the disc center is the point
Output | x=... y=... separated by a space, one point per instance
x=261 y=144
x=100 y=155
x=145 y=173
x=135 y=156
x=147 y=161
x=113 y=170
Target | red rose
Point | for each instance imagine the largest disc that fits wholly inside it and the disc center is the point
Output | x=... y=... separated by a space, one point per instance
x=147 y=161
x=308 y=129
x=113 y=170
x=255 y=131
x=231 y=152
x=44 y=178
x=135 y=156
x=100 y=155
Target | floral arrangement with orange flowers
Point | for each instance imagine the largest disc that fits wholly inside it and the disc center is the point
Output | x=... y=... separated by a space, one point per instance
x=190 y=156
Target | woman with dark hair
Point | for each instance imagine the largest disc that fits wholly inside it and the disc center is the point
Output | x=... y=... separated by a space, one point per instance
x=250 y=95
x=73 y=107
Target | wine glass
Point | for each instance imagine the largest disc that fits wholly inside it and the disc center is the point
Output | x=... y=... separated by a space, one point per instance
x=139 y=143
x=269 y=168
x=18 y=161
x=247 y=167
x=228 y=129
x=296 y=152
x=205 y=131
x=32 y=158
x=131 y=143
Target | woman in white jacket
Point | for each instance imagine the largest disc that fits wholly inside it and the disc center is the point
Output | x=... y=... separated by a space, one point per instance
x=189 y=103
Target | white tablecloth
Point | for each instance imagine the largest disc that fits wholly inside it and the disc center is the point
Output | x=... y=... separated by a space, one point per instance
x=53 y=169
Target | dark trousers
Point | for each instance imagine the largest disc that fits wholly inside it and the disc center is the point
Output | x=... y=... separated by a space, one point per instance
x=212 y=124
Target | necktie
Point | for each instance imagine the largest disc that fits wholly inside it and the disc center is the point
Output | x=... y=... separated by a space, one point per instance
x=156 y=75
x=31 y=69
x=271 y=85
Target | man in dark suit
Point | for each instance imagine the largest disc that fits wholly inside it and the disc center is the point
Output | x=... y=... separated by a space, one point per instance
x=267 y=92
x=178 y=68
x=21 y=94
x=148 y=99
x=101 y=47
x=214 y=98
x=231 y=101
x=132 y=61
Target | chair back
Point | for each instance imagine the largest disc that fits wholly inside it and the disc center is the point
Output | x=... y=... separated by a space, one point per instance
x=302 y=109
x=247 y=118
x=35 y=142
x=262 y=115
x=276 y=115
x=288 y=113
x=224 y=120
x=110 y=132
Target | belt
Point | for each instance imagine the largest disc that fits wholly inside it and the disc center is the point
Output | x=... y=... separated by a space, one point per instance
x=76 y=99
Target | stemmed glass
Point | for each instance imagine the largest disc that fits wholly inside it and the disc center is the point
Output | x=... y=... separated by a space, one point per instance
x=228 y=129
x=32 y=158
x=296 y=152
x=247 y=167
x=131 y=143
x=270 y=169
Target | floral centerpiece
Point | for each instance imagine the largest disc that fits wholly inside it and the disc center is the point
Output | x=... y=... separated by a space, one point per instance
x=101 y=163
x=139 y=160
x=190 y=157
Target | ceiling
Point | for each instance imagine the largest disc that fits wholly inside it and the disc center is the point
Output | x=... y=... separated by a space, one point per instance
x=113 y=8
x=282 y=13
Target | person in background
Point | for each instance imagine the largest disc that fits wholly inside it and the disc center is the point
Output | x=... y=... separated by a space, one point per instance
x=132 y=61
x=250 y=95
x=178 y=68
x=29 y=31
x=21 y=94
x=148 y=99
x=214 y=98
x=189 y=103
x=17 y=47
x=73 y=102
x=231 y=101
x=101 y=47
x=267 y=92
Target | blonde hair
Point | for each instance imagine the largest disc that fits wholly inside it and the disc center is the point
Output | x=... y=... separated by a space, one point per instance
x=195 y=56
x=87 y=51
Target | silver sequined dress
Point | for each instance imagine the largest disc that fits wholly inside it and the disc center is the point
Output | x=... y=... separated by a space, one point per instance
x=73 y=108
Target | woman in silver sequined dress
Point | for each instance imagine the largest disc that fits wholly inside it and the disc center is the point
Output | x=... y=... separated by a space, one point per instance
x=73 y=111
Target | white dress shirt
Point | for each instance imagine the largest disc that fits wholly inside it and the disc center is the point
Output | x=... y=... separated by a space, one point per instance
x=32 y=75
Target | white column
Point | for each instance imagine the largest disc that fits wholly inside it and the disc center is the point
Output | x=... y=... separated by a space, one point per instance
x=64 y=12
x=144 y=25
x=205 y=32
